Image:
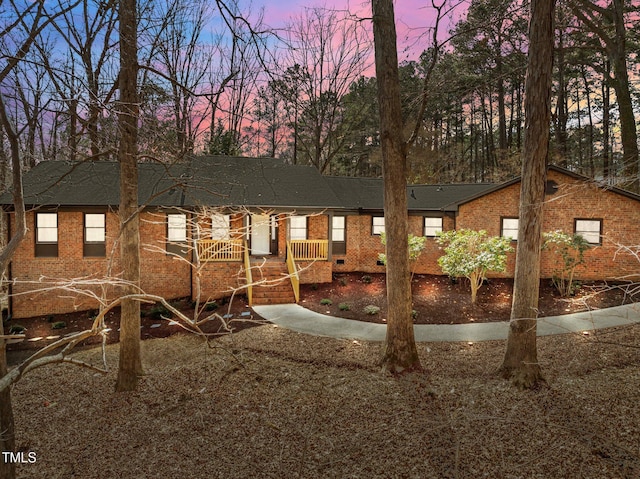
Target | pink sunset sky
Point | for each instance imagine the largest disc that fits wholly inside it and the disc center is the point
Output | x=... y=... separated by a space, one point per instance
x=413 y=19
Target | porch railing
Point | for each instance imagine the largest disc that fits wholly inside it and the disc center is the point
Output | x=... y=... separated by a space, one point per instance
x=293 y=272
x=220 y=250
x=249 y=276
x=309 y=250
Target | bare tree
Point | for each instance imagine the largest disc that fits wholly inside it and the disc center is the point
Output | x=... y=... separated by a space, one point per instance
x=24 y=23
x=400 y=351
x=520 y=361
x=329 y=51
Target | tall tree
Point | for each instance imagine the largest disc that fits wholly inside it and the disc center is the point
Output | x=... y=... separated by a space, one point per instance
x=328 y=50
x=130 y=365
x=609 y=25
x=400 y=353
x=520 y=361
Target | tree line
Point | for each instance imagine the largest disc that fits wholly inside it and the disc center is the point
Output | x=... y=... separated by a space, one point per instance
x=214 y=78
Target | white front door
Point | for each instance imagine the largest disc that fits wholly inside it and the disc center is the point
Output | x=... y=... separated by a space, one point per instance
x=260 y=235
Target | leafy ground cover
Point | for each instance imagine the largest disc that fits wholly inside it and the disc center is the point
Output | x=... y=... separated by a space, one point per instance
x=271 y=403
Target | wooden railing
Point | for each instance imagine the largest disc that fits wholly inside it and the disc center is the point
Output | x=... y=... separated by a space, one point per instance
x=249 y=276
x=293 y=273
x=220 y=250
x=309 y=250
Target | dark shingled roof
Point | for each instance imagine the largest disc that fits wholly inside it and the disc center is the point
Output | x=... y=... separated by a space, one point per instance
x=226 y=181
x=367 y=194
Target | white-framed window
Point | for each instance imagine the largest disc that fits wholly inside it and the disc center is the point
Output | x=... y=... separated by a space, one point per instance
x=509 y=228
x=432 y=226
x=95 y=235
x=220 y=227
x=589 y=229
x=339 y=235
x=46 y=235
x=95 y=227
x=298 y=227
x=338 y=228
x=47 y=227
x=176 y=227
x=377 y=225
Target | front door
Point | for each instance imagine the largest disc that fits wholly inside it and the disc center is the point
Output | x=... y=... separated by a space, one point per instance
x=260 y=235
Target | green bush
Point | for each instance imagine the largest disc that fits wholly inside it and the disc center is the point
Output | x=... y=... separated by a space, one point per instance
x=157 y=311
x=569 y=253
x=472 y=254
x=211 y=306
x=326 y=302
x=17 y=329
x=59 y=325
x=344 y=307
x=371 y=309
x=366 y=279
x=414 y=314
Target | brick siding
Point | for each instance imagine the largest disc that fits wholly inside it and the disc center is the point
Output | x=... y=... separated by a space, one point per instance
x=171 y=277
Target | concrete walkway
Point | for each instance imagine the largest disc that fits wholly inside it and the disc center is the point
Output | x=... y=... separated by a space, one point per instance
x=302 y=320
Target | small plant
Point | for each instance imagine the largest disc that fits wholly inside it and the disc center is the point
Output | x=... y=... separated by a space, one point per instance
x=416 y=247
x=59 y=325
x=343 y=281
x=344 y=307
x=366 y=279
x=314 y=287
x=414 y=314
x=211 y=306
x=157 y=311
x=17 y=329
x=371 y=309
x=326 y=302
x=570 y=249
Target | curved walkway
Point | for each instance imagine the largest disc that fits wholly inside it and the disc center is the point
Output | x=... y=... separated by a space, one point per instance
x=302 y=320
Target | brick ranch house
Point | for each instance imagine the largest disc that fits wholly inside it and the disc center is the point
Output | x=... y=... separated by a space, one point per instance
x=206 y=224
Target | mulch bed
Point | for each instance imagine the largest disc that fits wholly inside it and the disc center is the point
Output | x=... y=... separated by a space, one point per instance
x=42 y=330
x=438 y=300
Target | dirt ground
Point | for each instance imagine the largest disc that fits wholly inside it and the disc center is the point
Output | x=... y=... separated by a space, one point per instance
x=270 y=403
x=437 y=300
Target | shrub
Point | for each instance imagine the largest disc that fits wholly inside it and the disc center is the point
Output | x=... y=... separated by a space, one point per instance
x=471 y=254
x=343 y=281
x=344 y=307
x=414 y=314
x=371 y=309
x=570 y=249
x=416 y=247
x=326 y=302
x=366 y=279
x=211 y=306
x=157 y=311
x=17 y=329
x=59 y=325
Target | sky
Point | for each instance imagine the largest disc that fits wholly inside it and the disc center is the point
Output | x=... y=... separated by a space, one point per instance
x=413 y=18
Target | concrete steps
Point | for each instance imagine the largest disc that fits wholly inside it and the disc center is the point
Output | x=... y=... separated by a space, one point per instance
x=276 y=288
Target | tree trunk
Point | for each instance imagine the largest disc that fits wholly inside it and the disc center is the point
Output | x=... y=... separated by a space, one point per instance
x=628 y=133
x=520 y=362
x=7 y=428
x=130 y=365
x=400 y=354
